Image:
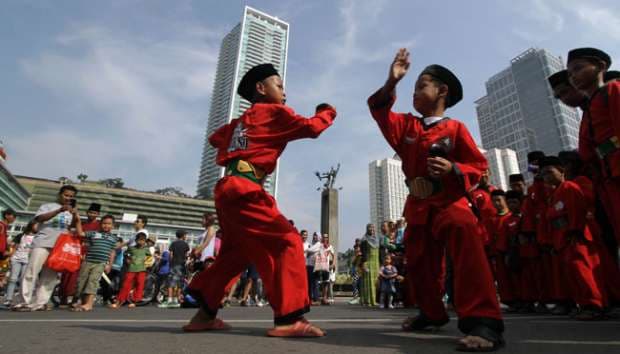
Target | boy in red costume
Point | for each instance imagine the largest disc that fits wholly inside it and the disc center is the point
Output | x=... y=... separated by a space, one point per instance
x=442 y=164
x=599 y=133
x=572 y=240
x=253 y=229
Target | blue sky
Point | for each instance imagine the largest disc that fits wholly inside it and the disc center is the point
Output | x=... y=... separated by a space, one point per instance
x=122 y=88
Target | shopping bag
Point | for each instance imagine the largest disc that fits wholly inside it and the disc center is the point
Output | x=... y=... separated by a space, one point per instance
x=66 y=255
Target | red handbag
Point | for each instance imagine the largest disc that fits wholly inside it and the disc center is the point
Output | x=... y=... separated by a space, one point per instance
x=66 y=256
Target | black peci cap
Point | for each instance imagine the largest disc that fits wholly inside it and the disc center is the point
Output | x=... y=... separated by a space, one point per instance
x=550 y=161
x=611 y=75
x=499 y=192
x=514 y=195
x=455 y=89
x=591 y=53
x=256 y=74
x=535 y=156
x=517 y=177
x=559 y=78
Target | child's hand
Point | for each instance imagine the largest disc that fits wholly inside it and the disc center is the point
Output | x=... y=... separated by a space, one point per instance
x=400 y=65
x=107 y=269
x=438 y=166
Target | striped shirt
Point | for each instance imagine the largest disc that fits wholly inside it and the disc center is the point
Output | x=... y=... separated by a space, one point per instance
x=99 y=246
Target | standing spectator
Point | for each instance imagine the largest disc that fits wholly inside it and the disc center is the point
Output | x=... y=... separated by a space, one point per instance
x=356 y=272
x=139 y=226
x=54 y=218
x=110 y=290
x=8 y=217
x=400 y=234
x=179 y=251
x=19 y=260
x=163 y=272
x=99 y=259
x=69 y=280
x=208 y=243
x=310 y=250
x=370 y=266
x=250 y=280
x=322 y=265
x=387 y=276
x=150 y=244
x=136 y=271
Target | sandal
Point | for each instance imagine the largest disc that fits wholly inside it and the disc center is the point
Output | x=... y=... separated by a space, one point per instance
x=422 y=322
x=301 y=329
x=114 y=306
x=486 y=333
x=213 y=325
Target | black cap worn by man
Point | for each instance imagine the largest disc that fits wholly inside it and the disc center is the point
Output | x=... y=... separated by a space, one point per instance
x=535 y=156
x=455 y=89
x=611 y=75
x=551 y=161
x=247 y=86
x=589 y=53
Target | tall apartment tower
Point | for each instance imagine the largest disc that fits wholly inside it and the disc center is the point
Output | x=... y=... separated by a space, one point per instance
x=502 y=164
x=520 y=113
x=388 y=191
x=259 y=38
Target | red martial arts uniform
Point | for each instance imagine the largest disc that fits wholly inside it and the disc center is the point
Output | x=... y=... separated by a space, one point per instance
x=599 y=145
x=68 y=280
x=443 y=222
x=547 y=277
x=508 y=284
x=567 y=213
x=609 y=269
x=253 y=229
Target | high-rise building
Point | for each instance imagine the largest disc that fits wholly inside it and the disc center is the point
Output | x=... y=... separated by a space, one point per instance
x=502 y=164
x=520 y=113
x=259 y=38
x=388 y=191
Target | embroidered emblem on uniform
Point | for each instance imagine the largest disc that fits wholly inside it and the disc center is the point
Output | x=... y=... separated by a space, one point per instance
x=239 y=140
x=559 y=206
x=512 y=224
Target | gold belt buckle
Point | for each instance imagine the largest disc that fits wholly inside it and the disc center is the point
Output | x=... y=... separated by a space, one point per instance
x=421 y=188
x=245 y=167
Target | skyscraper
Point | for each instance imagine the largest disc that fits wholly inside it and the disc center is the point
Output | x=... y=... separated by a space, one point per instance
x=520 y=113
x=388 y=191
x=502 y=164
x=259 y=38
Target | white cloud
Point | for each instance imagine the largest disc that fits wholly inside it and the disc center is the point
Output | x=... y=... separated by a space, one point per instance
x=150 y=94
x=605 y=21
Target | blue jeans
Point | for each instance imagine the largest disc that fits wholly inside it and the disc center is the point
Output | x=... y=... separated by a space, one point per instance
x=17 y=272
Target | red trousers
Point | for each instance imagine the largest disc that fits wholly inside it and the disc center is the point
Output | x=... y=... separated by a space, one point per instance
x=68 y=284
x=255 y=232
x=581 y=264
x=128 y=283
x=610 y=274
x=530 y=279
x=508 y=282
x=609 y=193
x=453 y=230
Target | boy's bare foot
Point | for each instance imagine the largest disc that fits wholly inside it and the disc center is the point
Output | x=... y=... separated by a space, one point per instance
x=203 y=322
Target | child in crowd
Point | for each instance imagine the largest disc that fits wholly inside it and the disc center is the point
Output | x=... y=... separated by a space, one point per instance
x=101 y=254
x=19 y=259
x=387 y=278
x=136 y=272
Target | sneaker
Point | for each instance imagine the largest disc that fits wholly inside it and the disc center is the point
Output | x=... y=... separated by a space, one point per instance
x=391 y=306
x=243 y=303
x=174 y=304
x=260 y=303
x=164 y=305
x=354 y=301
x=382 y=306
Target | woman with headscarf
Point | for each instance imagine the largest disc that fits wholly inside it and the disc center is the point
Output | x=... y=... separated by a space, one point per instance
x=370 y=265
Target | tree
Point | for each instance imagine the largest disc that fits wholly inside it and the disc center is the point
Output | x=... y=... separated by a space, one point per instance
x=82 y=177
x=172 y=192
x=112 y=182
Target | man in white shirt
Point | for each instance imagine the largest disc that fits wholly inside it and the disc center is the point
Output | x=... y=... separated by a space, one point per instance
x=310 y=250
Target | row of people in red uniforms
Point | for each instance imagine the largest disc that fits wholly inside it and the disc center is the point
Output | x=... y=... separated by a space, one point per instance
x=554 y=243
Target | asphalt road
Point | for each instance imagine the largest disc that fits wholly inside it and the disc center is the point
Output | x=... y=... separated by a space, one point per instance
x=351 y=329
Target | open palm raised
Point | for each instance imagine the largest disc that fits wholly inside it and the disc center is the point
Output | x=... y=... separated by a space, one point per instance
x=400 y=65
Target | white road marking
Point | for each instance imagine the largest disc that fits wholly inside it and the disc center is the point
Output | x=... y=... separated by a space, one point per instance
x=586 y=342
